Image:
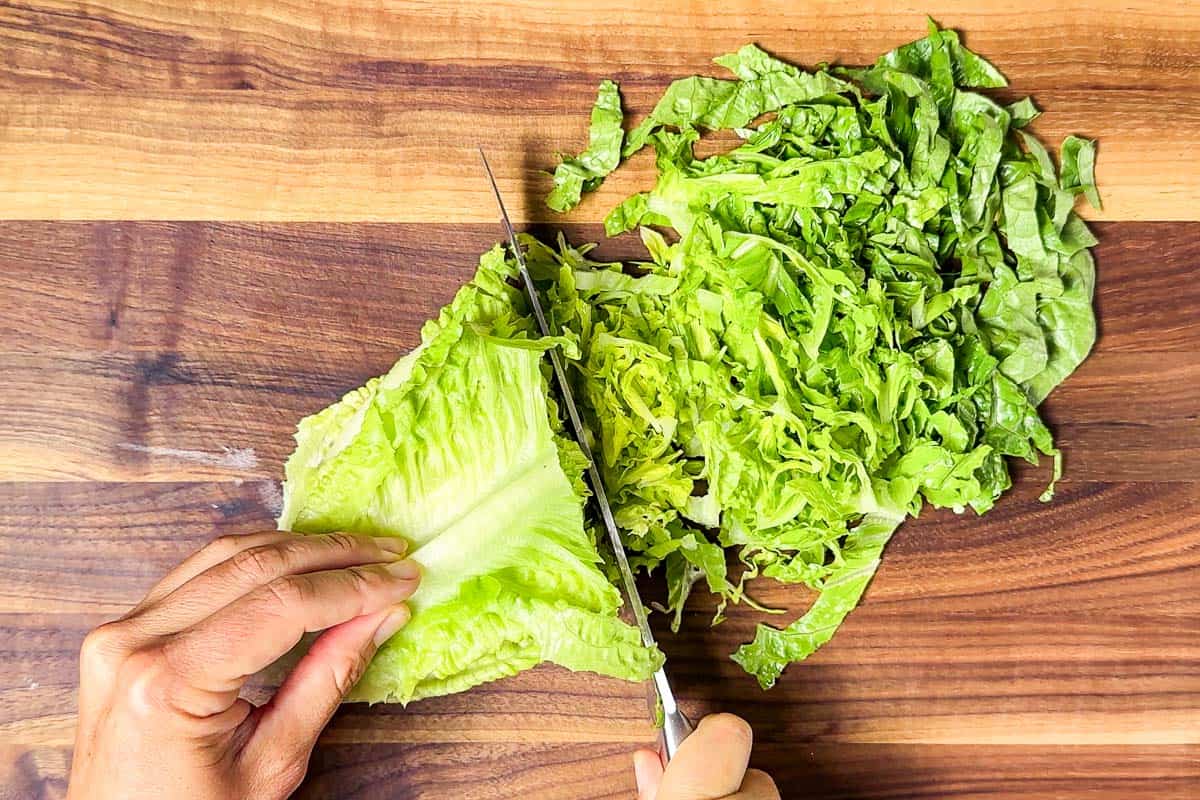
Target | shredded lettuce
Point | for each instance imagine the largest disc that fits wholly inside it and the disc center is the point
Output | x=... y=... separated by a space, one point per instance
x=857 y=312
x=1078 y=165
x=457 y=450
x=764 y=84
x=584 y=172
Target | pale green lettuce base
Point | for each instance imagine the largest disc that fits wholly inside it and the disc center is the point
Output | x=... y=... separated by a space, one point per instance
x=453 y=450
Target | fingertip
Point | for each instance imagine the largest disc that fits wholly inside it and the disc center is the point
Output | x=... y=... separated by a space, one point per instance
x=405 y=570
x=647 y=772
x=730 y=729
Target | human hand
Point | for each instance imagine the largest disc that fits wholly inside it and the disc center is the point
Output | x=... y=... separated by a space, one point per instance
x=710 y=765
x=159 y=708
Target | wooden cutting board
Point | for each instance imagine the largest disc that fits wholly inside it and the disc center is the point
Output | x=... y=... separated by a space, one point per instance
x=322 y=157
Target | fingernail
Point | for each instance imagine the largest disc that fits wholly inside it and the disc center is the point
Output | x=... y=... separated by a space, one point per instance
x=406 y=570
x=647 y=773
x=392 y=544
x=640 y=778
x=391 y=623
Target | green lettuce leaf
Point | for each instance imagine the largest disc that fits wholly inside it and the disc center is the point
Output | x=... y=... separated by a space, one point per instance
x=1069 y=324
x=772 y=648
x=1023 y=112
x=942 y=61
x=765 y=84
x=455 y=450
x=1078 y=168
x=574 y=176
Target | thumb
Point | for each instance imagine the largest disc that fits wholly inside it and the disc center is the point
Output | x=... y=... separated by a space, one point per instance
x=647 y=772
x=287 y=727
x=711 y=762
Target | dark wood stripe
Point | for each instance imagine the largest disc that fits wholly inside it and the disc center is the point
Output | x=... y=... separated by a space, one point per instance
x=923 y=676
x=602 y=772
x=109 y=408
x=1073 y=622
x=200 y=336
x=345 y=289
x=496 y=771
x=913 y=772
x=1104 y=548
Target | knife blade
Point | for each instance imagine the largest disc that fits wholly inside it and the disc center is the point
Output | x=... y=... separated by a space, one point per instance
x=676 y=725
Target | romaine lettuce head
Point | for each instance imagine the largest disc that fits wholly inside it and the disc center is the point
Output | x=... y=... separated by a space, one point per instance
x=456 y=450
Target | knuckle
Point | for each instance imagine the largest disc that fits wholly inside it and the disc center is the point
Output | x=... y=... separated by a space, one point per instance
x=364 y=578
x=146 y=675
x=104 y=646
x=289 y=774
x=279 y=775
x=258 y=563
x=342 y=542
x=287 y=591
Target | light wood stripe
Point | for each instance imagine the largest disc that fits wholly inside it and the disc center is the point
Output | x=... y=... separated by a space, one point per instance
x=337 y=155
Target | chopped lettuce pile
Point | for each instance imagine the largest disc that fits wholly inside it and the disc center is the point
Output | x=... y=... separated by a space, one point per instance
x=457 y=449
x=856 y=311
x=852 y=313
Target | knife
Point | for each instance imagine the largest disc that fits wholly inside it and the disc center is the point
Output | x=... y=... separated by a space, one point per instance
x=676 y=725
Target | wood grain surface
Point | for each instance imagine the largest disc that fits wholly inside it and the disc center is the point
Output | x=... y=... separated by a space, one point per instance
x=292 y=111
x=321 y=157
x=348 y=155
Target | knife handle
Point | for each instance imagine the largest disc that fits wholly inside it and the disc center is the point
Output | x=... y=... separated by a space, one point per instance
x=676 y=727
